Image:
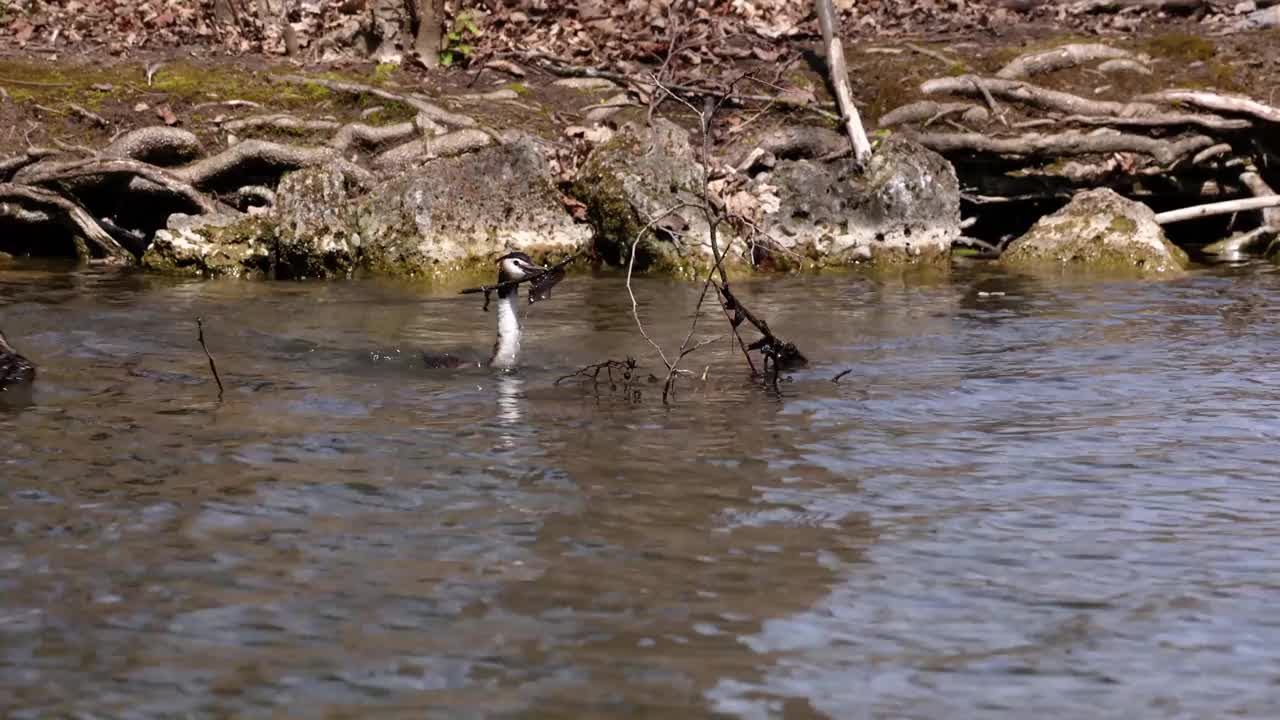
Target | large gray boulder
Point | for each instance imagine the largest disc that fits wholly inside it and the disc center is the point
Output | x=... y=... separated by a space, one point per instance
x=903 y=209
x=1098 y=231
x=448 y=215
x=224 y=244
x=630 y=182
x=456 y=212
x=803 y=211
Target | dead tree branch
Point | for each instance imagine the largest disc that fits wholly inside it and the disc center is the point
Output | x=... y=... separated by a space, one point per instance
x=1218 y=208
x=839 y=74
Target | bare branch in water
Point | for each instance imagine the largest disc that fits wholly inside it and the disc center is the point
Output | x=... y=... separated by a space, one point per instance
x=841 y=374
x=212 y=365
x=626 y=370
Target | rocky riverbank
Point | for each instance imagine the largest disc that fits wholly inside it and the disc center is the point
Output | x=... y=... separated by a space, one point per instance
x=227 y=168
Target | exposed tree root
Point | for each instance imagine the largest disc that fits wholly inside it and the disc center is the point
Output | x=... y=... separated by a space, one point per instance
x=34 y=205
x=1064 y=144
x=922 y=110
x=1210 y=153
x=14 y=163
x=244 y=198
x=1208 y=122
x=448 y=145
x=1060 y=58
x=259 y=156
x=280 y=121
x=1034 y=96
x=1214 y=101
x=1109 y=6
x=171 y=182
x=372 y=136
x=157 y=145
x=435 y=112
x=1124 y=65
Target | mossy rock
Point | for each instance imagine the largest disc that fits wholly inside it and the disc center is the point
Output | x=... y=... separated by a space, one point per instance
x=629 y=182
x=903 y=209
x=1098 y=232
x=212 y=246
x=454 y=213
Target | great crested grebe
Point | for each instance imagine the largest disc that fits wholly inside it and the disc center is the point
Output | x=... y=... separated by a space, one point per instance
x=513 y=268
x=15 y=370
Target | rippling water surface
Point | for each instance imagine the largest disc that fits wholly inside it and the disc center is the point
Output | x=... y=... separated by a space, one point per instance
x=1027 y=499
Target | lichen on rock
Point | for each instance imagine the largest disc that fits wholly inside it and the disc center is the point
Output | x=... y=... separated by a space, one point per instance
x=903 y=209
x=630 y=182
x=1099 y=230
x=210 y=246
x=447 y=215
x=454 y=212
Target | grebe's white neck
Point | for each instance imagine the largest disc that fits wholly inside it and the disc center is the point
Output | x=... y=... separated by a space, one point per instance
x=507 y=348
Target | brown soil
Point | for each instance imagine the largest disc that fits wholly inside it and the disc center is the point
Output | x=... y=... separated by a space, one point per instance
x=41 y=89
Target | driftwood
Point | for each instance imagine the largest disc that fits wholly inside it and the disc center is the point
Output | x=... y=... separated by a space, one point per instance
x=29 y=204
x=1060 y=58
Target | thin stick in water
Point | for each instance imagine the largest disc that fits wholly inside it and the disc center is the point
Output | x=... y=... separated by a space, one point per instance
x=212 y=365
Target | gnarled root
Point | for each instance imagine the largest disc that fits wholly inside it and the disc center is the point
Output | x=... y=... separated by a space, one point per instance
x=371 y=135
x=431 y=110
x=33 y=205
x=1068 y=143
x=253 y=159
x=1028 y=94
x=448 y=145
x=14 y=163
x=1214 y=101
x=97 y=168
x=1060 y=58
x=156 y=145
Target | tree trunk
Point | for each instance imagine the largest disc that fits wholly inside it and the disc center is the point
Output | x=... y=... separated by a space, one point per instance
x=428 y=30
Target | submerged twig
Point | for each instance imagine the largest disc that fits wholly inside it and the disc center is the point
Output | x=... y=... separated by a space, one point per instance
x=212 y=365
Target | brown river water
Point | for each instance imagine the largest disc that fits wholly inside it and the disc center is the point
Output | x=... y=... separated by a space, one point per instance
x=1030 y=499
